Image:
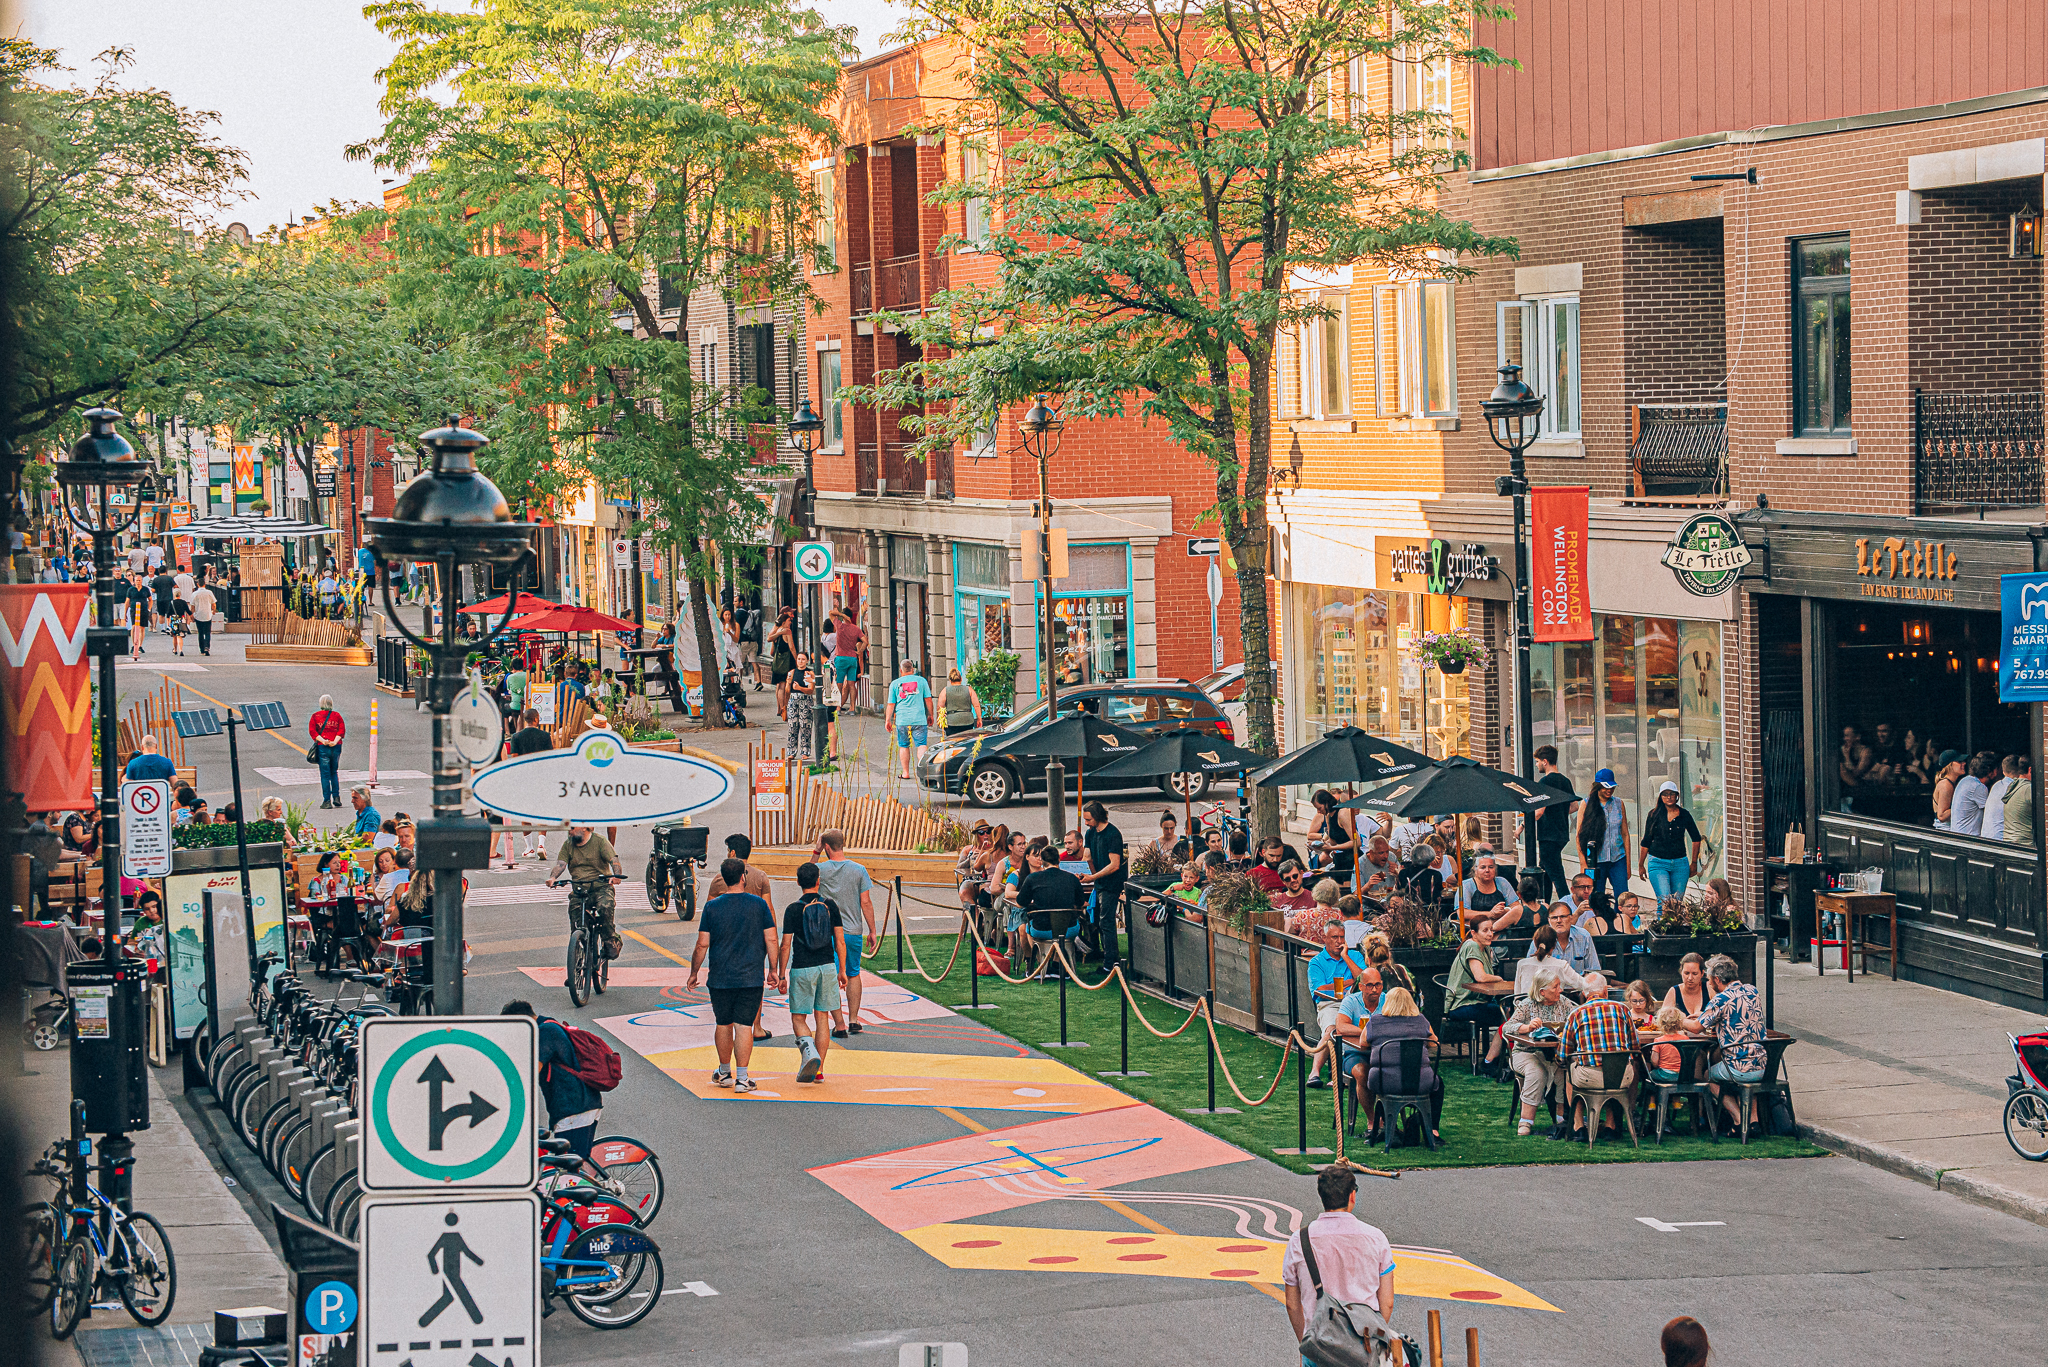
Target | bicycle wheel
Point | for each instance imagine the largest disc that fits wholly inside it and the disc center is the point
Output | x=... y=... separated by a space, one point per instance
x=149 y=1285
x=2026 y=1124
x=338 y=1198
x=623 y=1289
x=600 y=966
x=579 y=967
x=281 y=1113
x=351 y=1214
x=255 y=1103
x=73 y=1291
x=630 y=1167
x=686 y=894
x=43 y=1250
x=319 y=1180
x=294 y=1152
x=657 y=885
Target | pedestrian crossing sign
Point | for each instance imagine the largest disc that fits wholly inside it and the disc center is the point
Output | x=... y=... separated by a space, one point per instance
x=451 y=1282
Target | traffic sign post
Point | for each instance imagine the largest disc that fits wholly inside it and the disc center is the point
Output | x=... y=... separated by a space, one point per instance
x=475 y=725
x=450 y=1103
x=451 y=1282
x=146 y=828
x=813 y=561
x=1215 y=597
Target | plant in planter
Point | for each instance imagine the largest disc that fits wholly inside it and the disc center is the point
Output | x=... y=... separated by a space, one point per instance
x=1152 y=862
x=1678 y=918
x=1234 y=902
x=1451 y=651
x=1407 y=924
x=195 y=837
x=993 y=678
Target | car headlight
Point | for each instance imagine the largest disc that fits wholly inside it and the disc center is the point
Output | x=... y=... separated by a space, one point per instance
x=946 y=756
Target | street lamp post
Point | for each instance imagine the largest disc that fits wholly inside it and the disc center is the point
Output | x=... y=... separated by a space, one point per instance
x=805 y=427
x=1511 y=413
x=1041 y=427
x=453 y=516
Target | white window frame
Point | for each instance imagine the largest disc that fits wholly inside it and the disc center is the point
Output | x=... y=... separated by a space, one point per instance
x=1422 y=85
x=1407 y=304
x=1354 y=89
x=977 y=213
x=825 y=228
x=829 y=407
x=1540 y=316
x=1302 y=357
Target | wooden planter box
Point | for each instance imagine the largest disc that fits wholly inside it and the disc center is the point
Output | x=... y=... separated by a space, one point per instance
x=1425 y=965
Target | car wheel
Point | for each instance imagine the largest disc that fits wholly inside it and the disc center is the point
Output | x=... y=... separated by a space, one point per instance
x=990 y=785
x=1185 y=787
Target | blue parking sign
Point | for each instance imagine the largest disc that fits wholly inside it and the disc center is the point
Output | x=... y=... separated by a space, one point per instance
x=331 y=1308
x=2023 y=638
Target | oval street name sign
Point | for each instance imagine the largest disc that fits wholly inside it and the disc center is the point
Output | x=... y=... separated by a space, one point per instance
x=601 y=781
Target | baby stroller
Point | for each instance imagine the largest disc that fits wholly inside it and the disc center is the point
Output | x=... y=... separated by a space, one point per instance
x=46 y=948
x=732 y=698
x=2026 y=1102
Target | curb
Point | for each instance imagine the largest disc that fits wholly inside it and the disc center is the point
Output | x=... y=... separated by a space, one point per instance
x=1957 y=1182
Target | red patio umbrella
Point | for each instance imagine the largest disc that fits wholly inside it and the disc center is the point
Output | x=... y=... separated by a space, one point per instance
x=571 y=619
x=528 y=602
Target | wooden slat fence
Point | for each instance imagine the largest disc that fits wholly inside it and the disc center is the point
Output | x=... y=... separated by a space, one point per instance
x=811 y=804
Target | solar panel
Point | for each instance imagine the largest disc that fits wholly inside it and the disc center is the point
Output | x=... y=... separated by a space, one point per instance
x=199 y=722
x=264 y=716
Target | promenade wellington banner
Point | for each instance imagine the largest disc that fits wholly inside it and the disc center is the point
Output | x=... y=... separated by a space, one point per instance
x=46 y=686
x=1561 y=600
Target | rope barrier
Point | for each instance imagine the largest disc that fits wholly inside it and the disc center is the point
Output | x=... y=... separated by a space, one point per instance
x=918 y=964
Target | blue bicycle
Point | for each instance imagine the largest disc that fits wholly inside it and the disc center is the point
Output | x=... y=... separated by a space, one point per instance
x=97 y=1246
x=594 y=1254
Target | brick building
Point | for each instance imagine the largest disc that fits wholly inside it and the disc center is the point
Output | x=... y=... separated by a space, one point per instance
x=930 y=551
x=1842 y=359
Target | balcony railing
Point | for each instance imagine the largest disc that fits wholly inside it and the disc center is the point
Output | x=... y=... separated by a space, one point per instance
x=1976 y=450
x=890 y=470
x=895 y=285
x=863 y=289
x=1679 y=453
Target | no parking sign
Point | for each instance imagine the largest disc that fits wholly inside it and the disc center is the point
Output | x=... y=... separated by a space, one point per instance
x=146 y=828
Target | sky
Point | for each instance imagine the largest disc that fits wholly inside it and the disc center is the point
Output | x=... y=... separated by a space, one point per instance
x=294 y=81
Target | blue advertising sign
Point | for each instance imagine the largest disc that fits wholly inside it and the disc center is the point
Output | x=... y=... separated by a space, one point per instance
x=2023 y=632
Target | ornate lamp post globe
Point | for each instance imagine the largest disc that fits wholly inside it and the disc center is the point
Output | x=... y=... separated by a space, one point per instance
x=452 y=515
x=804 y=427
x=1041 y=426
x=1511 y=411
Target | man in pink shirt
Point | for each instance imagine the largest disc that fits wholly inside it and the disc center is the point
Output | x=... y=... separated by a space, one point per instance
x=846 y=647
x=1356 y=1261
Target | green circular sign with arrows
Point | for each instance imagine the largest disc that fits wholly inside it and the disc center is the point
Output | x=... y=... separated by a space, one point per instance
x=476 y=1110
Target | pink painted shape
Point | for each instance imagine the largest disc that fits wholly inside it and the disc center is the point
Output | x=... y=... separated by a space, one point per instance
x=619 y=977
x=954 y=1166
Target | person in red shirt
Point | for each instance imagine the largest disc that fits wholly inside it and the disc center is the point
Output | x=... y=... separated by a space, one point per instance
x=327 y=729
x=847 y=645
x=1266 y=873
x=1291 y=895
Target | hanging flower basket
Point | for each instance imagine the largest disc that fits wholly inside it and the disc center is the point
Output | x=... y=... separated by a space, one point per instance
x=1451 y=651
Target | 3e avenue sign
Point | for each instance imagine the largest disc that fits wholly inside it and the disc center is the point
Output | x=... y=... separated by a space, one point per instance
x=449 y=1101
x=601 y=781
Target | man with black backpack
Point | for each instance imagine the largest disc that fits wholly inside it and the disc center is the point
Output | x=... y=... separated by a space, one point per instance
x=808 y=962
x=576 y=1070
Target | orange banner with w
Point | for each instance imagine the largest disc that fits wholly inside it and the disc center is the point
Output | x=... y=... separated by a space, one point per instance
x=46 y=693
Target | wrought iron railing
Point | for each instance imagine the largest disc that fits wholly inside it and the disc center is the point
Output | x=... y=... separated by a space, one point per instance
x=1976 y=450
x=1679 y=451
x=906 y=474
x=896 y=286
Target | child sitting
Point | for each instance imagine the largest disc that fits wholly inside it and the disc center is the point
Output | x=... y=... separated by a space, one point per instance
x=1642 y=1008
x=1664 y=1058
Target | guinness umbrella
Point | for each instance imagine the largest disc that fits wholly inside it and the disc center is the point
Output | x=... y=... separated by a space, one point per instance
x=1076 y=736
x=1346 y=755
x=1184 y=752
x=528 y=602
x=1460 y=785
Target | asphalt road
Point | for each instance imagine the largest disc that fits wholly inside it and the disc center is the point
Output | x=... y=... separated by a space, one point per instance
x=1812 y=1260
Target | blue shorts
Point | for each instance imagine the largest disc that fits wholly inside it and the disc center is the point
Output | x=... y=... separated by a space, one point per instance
x=845 y=667
x=1721 y=1072
x=813 y=990
x=907 y=736
x=850 y=965
x=1349 y=1058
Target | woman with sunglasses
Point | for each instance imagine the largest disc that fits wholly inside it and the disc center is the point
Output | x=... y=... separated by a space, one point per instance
x=1603 y=841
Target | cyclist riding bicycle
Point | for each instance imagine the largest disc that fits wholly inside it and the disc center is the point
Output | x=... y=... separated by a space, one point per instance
x=593 y=867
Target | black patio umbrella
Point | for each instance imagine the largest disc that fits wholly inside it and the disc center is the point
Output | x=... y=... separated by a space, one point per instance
x=1188 y=751
x=1077 y=736
x=1346 y=755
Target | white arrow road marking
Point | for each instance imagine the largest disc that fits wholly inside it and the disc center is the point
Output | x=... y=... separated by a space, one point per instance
x=1663 y=1228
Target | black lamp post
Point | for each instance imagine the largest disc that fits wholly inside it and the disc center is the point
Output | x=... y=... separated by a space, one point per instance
x=1041 y=427
x=453 y=516
x=805 y=427
x=1511 y=413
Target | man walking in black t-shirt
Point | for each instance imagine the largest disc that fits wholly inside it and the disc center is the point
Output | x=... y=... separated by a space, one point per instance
x=1553 y=824
x=737 y=930
x=1105 y=879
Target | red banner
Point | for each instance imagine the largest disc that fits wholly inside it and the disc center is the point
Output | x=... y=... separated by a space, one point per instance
x=1560 y=596
x=46 y=688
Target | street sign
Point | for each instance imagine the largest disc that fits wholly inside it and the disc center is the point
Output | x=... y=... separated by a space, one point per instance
x=451 y=1282
x=475 y=726
x=1215 y=597
x=622 y=553
x=1205 y=545
x=146 y=828
x=1215 y=584
x=450 y=1102
x=601 y=781
x=814 y=561
x=323 y=483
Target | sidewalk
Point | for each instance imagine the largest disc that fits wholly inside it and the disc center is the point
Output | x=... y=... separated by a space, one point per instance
x=223 y=1259
x=1910 y=1079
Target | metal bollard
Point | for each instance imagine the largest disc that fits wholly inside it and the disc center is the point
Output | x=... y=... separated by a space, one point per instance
x=899 y=923
x=1301 y=1107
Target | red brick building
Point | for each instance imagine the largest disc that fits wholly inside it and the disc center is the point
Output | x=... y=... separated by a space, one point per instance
x=930 y=550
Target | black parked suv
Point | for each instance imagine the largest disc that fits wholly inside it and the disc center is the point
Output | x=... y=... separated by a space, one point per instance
x=954 y=765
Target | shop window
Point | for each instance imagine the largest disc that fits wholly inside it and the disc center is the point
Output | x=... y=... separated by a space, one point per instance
x=1820 y=336
x=1361 y=668
x=981 y=600
x=1091 y=611
x=1415 y=363
x=826 y=222
x=1315 y=362
x=1542 y=337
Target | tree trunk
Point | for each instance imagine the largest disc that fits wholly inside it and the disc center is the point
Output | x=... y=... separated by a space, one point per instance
x=710 y=650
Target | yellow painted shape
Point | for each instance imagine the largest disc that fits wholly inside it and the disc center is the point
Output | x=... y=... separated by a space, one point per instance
x=878 y=1077
x=1015 y=1248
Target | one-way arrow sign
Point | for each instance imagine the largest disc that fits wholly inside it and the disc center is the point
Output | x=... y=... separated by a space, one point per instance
x=440 y=1117
x=415 y=1138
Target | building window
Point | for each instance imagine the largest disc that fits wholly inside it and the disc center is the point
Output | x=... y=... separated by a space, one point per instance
x=974 y=169
x=828 y=399
x=757 y=357
x=1820 y=337
x=982 y=445
x=1354 y=85
x=1542 y=337
x=1416 y=350
x=708 y=356
x=1422 y=89
x=1315 y=362
x=668 y=294
x=827 y=221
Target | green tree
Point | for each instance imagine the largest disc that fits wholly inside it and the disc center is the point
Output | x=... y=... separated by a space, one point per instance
x=1166 y=169
x=580 y=156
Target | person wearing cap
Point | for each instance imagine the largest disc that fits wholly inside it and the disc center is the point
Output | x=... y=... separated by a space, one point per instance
x=1947 y=770
x=1668 y=861
x=1603 y=841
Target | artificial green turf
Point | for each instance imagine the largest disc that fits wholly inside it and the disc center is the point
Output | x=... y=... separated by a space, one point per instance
x=1475 y=1130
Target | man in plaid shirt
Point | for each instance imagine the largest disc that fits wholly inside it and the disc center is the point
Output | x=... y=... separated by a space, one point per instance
x=1601 y=1026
